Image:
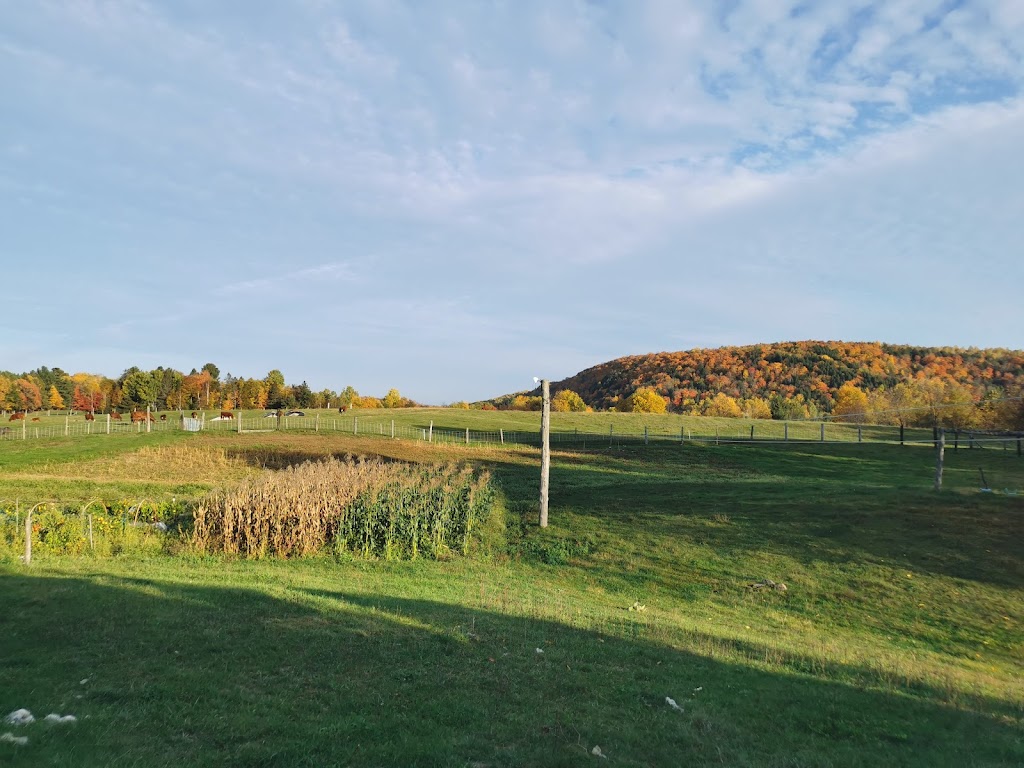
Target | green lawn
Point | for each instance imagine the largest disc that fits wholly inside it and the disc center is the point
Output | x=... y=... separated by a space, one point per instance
x=900 y=639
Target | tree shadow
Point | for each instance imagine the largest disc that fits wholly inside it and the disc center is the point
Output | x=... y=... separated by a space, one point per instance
x=163 y=672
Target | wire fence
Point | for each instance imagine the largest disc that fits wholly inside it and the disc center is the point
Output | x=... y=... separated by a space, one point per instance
x=738 y=431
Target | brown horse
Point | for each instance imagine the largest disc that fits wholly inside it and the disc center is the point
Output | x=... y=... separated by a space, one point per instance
x=227 y=415
x=90 y=417
x=115 y=416
x=17 y=417
x=140 y=416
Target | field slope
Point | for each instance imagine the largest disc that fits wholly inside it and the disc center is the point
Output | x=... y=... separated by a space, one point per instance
x=898 y=641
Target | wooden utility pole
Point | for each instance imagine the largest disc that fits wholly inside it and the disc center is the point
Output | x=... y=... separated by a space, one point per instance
x=545 y=450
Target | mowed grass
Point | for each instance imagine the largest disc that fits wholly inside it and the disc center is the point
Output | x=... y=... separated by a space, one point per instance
x=898 y=642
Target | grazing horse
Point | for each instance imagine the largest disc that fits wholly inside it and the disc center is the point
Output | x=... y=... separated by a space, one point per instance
x=17 y=417
x=140 y=416
x=227 y=415
x=343 y=409
x=115 y=416
x=163 y=417
x=35 y=418
x=195 y=415
x=90 y=417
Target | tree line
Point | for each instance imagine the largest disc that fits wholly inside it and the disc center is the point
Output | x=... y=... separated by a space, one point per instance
x=168 y=389
x=844 y=381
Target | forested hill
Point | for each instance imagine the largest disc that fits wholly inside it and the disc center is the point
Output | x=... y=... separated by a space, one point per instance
x=811 y=371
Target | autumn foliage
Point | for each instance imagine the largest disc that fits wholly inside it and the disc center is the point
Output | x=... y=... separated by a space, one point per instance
x=853 y=381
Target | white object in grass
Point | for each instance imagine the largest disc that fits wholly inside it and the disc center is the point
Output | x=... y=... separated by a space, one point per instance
x=672 y=703
x=53 y=717
x=20 y=717
x=20 y=741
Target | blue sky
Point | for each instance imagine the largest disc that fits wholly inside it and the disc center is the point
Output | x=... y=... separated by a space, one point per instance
x=453 y=197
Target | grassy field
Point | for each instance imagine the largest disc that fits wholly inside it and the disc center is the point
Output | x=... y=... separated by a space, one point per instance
x=899 y=641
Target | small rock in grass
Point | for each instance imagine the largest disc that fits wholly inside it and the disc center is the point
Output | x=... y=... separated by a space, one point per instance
x=20 y=717
x=596 y=752
x=53 y=717
x=768 y=584
x=20 y=741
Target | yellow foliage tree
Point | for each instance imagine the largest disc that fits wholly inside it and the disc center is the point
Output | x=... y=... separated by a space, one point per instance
x=54 y=399
x=644 y=400
x=567 y=401
x=392 y=399
x=851 y=404
x=723 y=406
x=6 y=388
x=757 y=408
x=525 y=403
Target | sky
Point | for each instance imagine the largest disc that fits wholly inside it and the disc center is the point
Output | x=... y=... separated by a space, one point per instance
x=451 y=198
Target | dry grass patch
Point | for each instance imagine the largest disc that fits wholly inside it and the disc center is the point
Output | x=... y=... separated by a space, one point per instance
x=171 y=464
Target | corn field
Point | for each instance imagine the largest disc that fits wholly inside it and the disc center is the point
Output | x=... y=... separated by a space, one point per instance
x=364 y=507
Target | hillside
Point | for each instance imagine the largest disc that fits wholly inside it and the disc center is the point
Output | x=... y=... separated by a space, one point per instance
x=806 y=372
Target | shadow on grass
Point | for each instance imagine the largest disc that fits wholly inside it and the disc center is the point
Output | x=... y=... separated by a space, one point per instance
x=163 y=673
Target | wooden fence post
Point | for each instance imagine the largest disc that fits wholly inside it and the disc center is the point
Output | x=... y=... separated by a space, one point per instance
x=67 y=425
x=501 y=436
x=392 y=429
x=316 y=424
x=108 y=423
x=467 y=435
x=751 y=432
x=645 y=435
x=860 y=434
x=240 y=420
x=430 y=432
x=355 y=425
x=611 y=431
x=149 y=420
x=785 y=431
x=28 y=537
x=823 y=431
x=940 y=446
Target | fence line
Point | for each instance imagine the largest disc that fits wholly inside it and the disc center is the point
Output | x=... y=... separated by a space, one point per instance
x=742 y=432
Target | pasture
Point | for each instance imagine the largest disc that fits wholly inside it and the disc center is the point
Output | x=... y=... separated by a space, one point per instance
x=899 y=639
